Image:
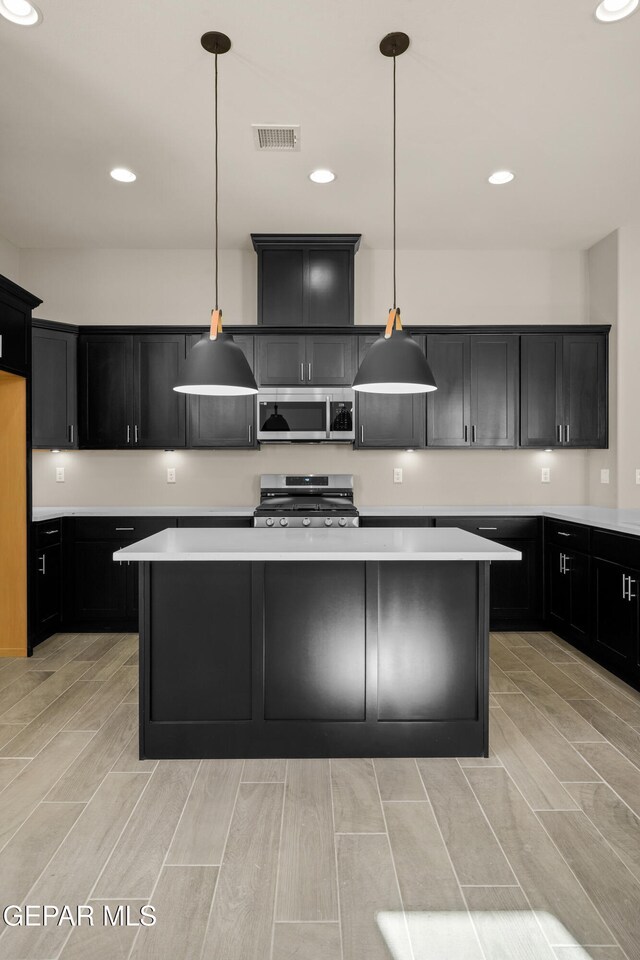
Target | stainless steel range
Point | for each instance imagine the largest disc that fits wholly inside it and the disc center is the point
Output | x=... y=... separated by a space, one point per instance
x=306 y=500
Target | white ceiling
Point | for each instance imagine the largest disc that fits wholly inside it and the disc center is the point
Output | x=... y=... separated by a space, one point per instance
x=534 y=85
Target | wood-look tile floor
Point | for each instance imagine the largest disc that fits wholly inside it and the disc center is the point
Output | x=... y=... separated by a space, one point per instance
x=532 y=853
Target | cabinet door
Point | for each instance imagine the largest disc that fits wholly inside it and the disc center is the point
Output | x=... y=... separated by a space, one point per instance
x=223 y=421
x=159 y=418
x=541 y=408
x=558 y=586
x=494 y=365
x=281 y=361
x=389 y=419
x=329 y=288
x=448 y=407
x=585 y=391
x=48 y=588
x=54 y=389
x=577 y=566
x=99 y=592
x=106 y=391
x=617 y=619
x=331 y=361
x=515 y=587
x=14 y=329
x=281 y=290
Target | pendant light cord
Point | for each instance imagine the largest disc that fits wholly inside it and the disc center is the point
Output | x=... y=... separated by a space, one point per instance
x=394 y=181
x=215 y=123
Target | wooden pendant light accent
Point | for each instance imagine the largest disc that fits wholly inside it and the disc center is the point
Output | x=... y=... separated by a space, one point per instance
x=13 y=516
x=216 y=324
x=394 y=316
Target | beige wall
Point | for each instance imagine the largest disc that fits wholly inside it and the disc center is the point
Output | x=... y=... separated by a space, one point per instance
x=9 y=260
x=436 y=287
x=628 y=372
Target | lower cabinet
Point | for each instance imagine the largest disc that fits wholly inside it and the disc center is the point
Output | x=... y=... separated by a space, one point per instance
x=47 y=592
x=568 y=594
x=616 y=624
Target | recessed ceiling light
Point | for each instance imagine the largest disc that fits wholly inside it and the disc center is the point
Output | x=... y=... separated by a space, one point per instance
x=322 y=176
x=20 y=11
x=501 y=176
x=610 y=10
x=123 y=175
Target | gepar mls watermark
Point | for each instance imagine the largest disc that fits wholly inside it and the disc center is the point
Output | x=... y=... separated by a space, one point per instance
x=78 y=915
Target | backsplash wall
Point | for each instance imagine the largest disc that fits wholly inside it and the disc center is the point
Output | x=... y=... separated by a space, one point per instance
x=228 y=478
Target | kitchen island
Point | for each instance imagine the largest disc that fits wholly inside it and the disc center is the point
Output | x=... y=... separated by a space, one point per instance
x=314 y=643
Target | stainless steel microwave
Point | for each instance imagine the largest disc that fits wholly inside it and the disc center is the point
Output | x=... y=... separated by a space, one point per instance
x=306 y=415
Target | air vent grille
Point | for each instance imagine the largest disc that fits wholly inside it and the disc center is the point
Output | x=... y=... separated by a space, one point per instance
x=272 y=136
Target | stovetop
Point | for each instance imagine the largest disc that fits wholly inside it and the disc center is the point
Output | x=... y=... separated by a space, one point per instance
x=309 y=500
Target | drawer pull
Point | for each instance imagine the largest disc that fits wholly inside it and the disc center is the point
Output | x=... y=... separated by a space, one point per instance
x=561 y=533
x=49 y=533
x=486 y=528
x=125 y=528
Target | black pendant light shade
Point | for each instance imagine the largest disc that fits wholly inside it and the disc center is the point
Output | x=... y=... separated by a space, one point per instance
x=217 y=368
x=394 y=365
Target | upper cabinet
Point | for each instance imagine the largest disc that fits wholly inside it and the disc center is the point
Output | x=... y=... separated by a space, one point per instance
x=54 y=396
x=303 y=360
x=563 y=389
x=126 y=391
x=389 y=419
x=222 y=421
x=475 y=404
x=305 y=279
x=16 y=305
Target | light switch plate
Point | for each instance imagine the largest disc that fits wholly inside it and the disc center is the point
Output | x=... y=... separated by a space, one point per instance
x=545 y=475
x=604 y=476
x=397 y=474
x=171 y=474
x=59 y=474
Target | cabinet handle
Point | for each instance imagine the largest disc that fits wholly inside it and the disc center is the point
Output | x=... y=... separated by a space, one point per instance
x=43 y=568
x=0 y=344
x=70 y=432
x=561 y=564
x=309 y=371
x=302 y=372
x=561 y=533
x=473 y=433
x=128 y=434
x=631 y=596
x=567 y=569
x=566 y=433
x=466 y=433
x=250 y=433
x=624 y=586
x=362 y=433
x=135 y=433
x=486 y=528
x=48 y=533
x=559 y=433
x=125 y=528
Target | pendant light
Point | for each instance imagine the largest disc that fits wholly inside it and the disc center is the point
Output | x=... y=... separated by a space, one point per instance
x=216 y=366
x=394 y=362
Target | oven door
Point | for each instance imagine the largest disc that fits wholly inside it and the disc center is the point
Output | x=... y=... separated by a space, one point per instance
x=309 y=415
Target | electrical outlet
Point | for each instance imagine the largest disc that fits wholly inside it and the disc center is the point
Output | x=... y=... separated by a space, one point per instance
x=397 y=474
x=545 y=475
x=171 y=474
x=604 y=476
x=59 y=474
x=638 y=476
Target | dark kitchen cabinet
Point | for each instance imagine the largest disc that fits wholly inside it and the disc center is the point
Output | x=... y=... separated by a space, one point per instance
x=616 y=628
x=54 y=388
x=389 y=419
x=305 y=280
x=568 y=593
x=47 y=580
x=16 y=305
x=516 y=586
x=126 y=391
x=322 y=360
x=475 y=404
x=563 y=390
x=101 y=593
x=223 y=421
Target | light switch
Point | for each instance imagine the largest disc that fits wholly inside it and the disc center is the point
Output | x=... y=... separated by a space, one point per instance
x=545 y=475
x=397 y=474
x=604 y=476
x=59 y=474
x=171 y=474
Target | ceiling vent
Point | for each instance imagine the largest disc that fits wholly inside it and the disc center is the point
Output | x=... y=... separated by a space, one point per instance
x=276 y=136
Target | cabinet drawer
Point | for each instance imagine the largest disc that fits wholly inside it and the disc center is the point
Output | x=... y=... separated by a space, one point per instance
x=120 y=528
x=396 y=521
x=572 y=535
x=218 y=522
x=47 y=533
x=494 y=528
x=616 y=548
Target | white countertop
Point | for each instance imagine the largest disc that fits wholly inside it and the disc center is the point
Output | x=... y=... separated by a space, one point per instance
x=389 y=543
x=608 y=518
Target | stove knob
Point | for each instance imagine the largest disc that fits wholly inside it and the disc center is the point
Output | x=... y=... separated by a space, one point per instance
x=342 y=521
x=306 y=522
x=328 y=522
x=284 y=522
x=269 y=521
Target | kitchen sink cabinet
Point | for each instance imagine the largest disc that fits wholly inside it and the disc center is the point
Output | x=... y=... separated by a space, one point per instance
x=563 y=390
x=54 y=397
x=298 y=361
x=223 y=421
x=305 y=280
x=475 y=404
x=126 y=391
x=389 y=419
